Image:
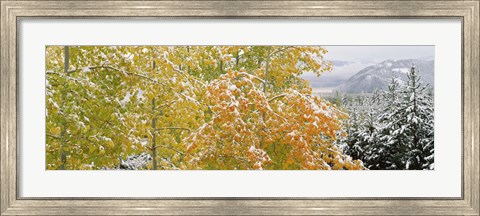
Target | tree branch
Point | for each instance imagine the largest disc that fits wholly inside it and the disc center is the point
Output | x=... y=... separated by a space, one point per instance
x=185 y=75
x=280 y=50
x=53 y=136
x=173 y=128
x=277 y=97
x=167 y=147
x=251 y=76
x=132 y=74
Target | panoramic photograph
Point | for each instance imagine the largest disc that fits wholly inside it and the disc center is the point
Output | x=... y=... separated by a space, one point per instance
x=239 y=107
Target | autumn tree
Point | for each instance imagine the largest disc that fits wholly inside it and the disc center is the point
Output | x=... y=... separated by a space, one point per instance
x=195 y=107
x=83 y=115
x=259 y=123
x=109 y=98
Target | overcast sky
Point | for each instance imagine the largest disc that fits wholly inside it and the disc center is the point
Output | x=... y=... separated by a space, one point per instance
x=348 y=60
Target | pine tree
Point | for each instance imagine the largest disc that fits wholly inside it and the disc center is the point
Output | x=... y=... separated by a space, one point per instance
x=362 y=134
x=392 y=144
x=418 y=123
x=393 y=129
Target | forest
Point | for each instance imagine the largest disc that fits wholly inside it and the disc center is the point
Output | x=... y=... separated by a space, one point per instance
x=225 y=108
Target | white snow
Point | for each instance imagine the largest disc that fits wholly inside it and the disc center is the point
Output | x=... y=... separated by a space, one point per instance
x=232 y=87
x=401 y=70
x=144 y=141
x=126 y=99
x=86 y=70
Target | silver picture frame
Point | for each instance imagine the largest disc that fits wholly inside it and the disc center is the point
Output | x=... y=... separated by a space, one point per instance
x=13 y=11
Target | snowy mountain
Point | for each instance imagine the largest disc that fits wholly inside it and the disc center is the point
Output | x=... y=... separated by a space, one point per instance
x=378 y=76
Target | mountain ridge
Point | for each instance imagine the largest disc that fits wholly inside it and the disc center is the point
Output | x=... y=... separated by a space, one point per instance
x=377 y=77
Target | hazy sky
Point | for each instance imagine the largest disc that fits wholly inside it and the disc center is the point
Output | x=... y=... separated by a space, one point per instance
x=348 y=60
x=376 y=54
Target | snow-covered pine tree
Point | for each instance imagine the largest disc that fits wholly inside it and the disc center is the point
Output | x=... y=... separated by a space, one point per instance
x=350 y=143
x=393 y=129
x=407 y=125
x=391 y=144
x=418 y=121
x=362 y=137
x=430 y=121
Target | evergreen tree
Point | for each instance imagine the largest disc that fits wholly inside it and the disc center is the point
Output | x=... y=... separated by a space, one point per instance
x=393 y=129
x=392 y=143
x=362 y=140
x=417 y=123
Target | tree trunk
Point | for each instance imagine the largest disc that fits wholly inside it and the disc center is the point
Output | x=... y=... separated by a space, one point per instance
x=267 y=62
x=266 y=72
x=154 y=132
x=416 y=139
x=237 y=59
x=63 y=156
